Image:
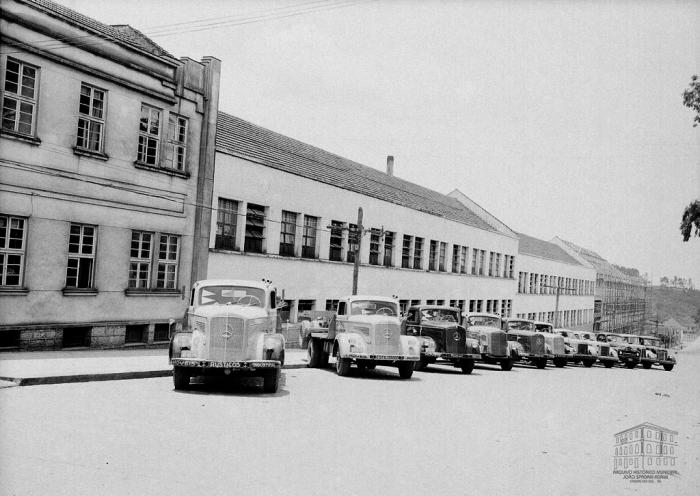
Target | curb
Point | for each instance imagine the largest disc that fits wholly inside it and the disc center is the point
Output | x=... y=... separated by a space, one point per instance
x=114 y=376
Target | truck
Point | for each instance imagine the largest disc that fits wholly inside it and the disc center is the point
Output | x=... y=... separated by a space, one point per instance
x=553 y=343
x=229 y=329
x=441 y=338
x=493 y=340
x=628 y=353
x=365 y=331
x=581 y=350
x=656 y=353
x=527 y=345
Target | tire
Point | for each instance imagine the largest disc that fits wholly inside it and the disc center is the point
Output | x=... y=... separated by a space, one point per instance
x=406 y=369
x=181 y=378
x=588 y=363
x=313 y=353
x=668 y=367
x=271 y=381
x=282 y=358
x=507 y=364
x=421 y=364
x=608 y=364
x=342 y=365
x=467 y=366
x=540 y=363
x=646 y=365
x=561 y=362
x=323 y=362
x=630 y=365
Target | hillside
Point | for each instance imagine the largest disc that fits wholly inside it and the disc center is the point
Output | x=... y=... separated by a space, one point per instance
x=681 y=304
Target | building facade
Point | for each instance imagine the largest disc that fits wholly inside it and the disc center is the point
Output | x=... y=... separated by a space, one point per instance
x=553 y=286
x=621 y=300
x=646 y=446
x=105 y=144
x=287 y=211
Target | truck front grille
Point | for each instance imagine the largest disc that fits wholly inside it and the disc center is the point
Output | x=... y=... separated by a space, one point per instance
x=498 y=344
x=227 y=339
x=386 y=339
x=582 y=349
x=662 y=354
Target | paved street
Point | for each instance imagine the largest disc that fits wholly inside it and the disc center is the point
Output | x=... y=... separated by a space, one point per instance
x=526 y=431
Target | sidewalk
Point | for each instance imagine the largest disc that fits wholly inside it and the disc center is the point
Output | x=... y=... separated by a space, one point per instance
x=57 y=367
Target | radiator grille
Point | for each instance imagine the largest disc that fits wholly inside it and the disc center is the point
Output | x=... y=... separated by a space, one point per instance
x=383 y=346
x=498 y=344
x=227 y=348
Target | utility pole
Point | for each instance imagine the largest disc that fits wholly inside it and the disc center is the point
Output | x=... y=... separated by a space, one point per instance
x=556 y=302
x=358 y=236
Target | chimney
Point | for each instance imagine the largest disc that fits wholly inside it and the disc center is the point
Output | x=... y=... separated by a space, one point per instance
x=390 y=165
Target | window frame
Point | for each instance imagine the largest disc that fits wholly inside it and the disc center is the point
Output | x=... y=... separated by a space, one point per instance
x=255 y=243
x=172 y=144
x=91 y=119
x=309 y=236
x=288 y=230
x=80 y=255
x=142 y=155
x=6 y=251
x=20 y=98
x=223 y=241
x=167 y=262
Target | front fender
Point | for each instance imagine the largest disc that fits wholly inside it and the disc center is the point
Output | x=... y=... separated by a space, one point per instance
x=276 y=343
x=342 y=343
x=411 y=346
x=515 y=348
x=180 y=341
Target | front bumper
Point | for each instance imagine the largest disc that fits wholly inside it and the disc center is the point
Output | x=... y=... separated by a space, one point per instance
x=393 y=358
x=450 y=357
x=245 y=365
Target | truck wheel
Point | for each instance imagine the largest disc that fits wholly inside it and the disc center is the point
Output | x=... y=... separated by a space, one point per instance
x=421 y=364
x=323 y=362
x=271 y=381
x=540 y=363
x=342 y=365
x=588 y=363
x=507 y=364
x=467 y=366
x=646 y=365
x=406 y=370
x=668 y=367
x=630 y=365
x=561 y=362
x=181 y=378
x=608 y=364
x=313 y=353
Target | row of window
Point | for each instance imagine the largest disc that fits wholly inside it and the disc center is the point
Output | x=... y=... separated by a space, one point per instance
x=636 y=462
x=634 y=450
x=566 y=317
x=637 y=433
x=19 y=109
x=530 y=283
x=153 y=263
x=295 y=242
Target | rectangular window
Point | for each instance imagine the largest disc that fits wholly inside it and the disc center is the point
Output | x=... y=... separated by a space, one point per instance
x=353 y=240
x=472 y=305
x=140 y=260
x=336 y=248
x=443 y=250
x=332 y=305
x=254 y=228
x=176 y=146
x=308 y=241
x=81 y=256
x=455 y=258
x=475 y=256
x=463 y=260
x=491 y=259
x=374 y=247
x=497 y=268
x=432 y=258
x=12 y=248
x=306 y=305
x=226 y=224
x=388 y=248
x=168 y=253
x=482 y=261
x=149 y=136
x=287 y=233
x=91 y=118
x=19 y=97
x=406 y=251
x=418 y=254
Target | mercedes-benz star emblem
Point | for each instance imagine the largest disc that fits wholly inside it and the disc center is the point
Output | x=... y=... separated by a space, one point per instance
x=227 y=333
x=387 y=333
x=455 y=336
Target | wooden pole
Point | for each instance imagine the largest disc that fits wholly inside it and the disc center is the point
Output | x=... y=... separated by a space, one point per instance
x=358 y=234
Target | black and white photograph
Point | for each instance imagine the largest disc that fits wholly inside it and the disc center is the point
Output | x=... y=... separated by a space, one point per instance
x=349 y=247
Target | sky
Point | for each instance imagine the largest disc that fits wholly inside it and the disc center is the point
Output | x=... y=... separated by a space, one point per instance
x=561 y=118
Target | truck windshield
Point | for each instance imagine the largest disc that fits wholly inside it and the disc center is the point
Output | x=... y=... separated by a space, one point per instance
x=614 y=338
x=543 y=327
x=520 y=325
x=372 y=307
x=439 y=315
x=234 y=295
x=483 y=320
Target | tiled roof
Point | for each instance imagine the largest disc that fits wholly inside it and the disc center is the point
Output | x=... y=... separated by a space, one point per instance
x=120 y=33
x=601 y=265
x=541 y=248
x=238 y=137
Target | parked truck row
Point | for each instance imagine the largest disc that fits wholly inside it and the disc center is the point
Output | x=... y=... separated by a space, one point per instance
x=231 y=327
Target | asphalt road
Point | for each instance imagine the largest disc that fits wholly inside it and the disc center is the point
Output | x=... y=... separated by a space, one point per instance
x=527 y=431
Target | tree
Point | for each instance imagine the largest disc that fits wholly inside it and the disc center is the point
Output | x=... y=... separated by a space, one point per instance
x=691 y=218
x=691 y=214
x=664 y=281
x=691 y=99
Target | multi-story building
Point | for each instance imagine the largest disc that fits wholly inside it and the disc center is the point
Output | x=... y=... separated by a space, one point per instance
x=287 y=211
x=621 y=300
x=553 y=286
x=646 y=446
x=106 y=142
